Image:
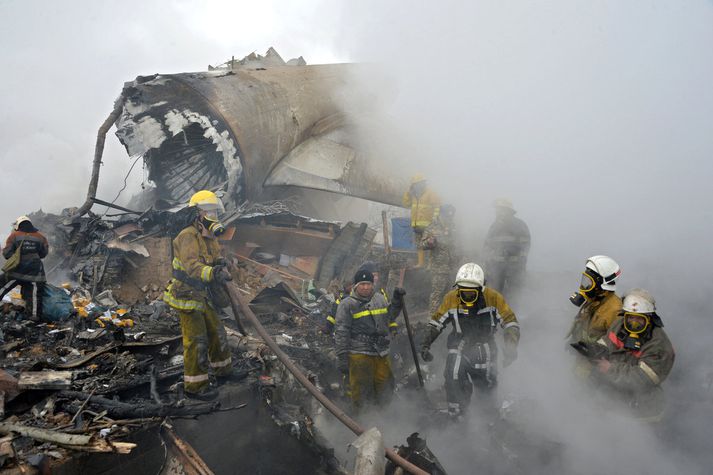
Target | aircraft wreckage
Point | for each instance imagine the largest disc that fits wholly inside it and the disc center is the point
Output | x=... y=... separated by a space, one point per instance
x=252 y=128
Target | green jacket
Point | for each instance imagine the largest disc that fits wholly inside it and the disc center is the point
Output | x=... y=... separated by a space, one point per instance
x=636 y=376
x=362 y=325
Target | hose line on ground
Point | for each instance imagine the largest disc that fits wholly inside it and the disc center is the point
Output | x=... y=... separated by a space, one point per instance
x=311 y=388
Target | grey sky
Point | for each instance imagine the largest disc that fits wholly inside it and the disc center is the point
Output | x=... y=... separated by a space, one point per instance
x=593 y=116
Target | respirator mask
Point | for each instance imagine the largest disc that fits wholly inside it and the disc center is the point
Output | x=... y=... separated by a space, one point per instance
x=587 y=287
x=210 y=222
x=637 y=327
x=468 y=296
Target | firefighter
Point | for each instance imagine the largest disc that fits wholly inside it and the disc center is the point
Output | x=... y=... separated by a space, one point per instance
x=199 y=272
x=507 y=245
x=598 y=303
x=331 y=317
x=29 y=273
x=438 y=238
x=639 y=357
x=424 y=204
x=475 y=312
x=362 y=338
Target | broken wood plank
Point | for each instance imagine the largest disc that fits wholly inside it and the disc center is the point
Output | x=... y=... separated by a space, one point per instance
x=102 y=445
x=124 y=410
x=44 y=435
x=45 y=380
x=88 y=357
x=179 y=449
x=132 y=344
x=8 y=384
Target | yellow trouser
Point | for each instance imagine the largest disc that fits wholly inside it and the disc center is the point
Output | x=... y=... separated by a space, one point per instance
x=370 y=378
x=205 y=345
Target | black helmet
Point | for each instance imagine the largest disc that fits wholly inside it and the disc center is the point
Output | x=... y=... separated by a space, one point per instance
x=363 y=276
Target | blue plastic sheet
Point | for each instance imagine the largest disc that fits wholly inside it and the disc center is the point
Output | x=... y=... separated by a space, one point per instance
x=56 y=304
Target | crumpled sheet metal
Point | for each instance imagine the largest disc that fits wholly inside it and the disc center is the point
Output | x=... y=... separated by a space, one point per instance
x=248 y=130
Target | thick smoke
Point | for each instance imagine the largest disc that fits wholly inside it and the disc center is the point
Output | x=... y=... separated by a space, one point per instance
x=594 y=118
x=64 y=64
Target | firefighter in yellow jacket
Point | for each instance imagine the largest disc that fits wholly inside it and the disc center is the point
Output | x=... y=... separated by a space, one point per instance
x=598 y=303
x=475 y=312
x=425 y=206
x=198 y=274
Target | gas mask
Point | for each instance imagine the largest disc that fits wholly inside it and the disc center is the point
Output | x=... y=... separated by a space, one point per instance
x=636 y=330
x=468 y=296
x=210 y=222
x=588 y=287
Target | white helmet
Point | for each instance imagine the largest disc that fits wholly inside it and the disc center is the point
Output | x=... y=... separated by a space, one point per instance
x=470 y=275
x=639 y=301
x=20 y=220
x=607 y=268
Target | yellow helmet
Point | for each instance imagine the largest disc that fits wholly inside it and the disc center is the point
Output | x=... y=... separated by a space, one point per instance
x=206 y=200
x=417 y=178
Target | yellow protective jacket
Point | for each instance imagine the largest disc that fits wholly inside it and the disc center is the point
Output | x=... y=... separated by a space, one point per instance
x=595 y=317
x=424 y=208
x=194 y=257
x=476 y=324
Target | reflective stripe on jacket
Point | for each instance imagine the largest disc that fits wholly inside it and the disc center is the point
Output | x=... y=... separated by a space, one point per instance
x=636 y=376
x=193 y=261
x=34 y=248
x=362 y=325
x=452 y=310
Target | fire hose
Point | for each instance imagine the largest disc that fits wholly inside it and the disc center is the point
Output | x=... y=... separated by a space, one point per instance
x=342 y=416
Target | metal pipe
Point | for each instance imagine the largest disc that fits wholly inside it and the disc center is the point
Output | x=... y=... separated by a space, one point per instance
x=409 y=331
x=292 y=368
x=99 y=152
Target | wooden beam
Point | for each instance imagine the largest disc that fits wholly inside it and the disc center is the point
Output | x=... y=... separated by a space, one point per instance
x=45 y=380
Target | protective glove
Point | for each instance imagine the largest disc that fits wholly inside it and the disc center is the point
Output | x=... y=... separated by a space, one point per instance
x=393 y=331
x=221 y=274
x=398 y=295
x=426 y=355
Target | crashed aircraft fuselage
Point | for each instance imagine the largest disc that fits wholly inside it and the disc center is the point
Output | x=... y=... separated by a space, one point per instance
x=249 y=131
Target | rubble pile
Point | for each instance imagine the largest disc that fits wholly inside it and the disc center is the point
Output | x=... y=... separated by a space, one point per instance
x=113 y=364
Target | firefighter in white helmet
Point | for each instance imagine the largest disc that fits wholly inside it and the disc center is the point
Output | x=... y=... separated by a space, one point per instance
x=598 y=303
x=475 y=312
x=639 y=356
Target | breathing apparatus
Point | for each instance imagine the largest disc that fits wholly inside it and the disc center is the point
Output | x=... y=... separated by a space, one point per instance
x=639 y=319
x=636 y=330
x=211 y=222
x=588 y=288
x=468 y=295
x=209 y=205
x=600 y=274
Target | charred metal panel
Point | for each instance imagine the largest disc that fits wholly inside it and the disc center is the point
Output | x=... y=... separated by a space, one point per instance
x=247 y=129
